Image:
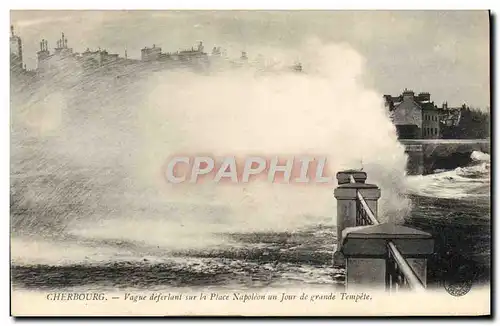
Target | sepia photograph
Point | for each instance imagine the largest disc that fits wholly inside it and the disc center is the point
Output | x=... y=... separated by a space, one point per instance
x=250 y=162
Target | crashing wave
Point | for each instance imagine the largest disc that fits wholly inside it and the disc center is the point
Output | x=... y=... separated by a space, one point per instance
x=476 y=171
x=477 y=156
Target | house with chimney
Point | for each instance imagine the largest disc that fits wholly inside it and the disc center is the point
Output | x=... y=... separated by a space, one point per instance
x=414 y=116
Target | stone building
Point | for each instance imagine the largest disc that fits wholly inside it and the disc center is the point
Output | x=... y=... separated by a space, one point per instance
x=61 y=60
x=151 y=54
x=16 y=52
x=98 y=58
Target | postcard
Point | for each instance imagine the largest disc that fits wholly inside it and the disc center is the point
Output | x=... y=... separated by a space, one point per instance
x=250 y=163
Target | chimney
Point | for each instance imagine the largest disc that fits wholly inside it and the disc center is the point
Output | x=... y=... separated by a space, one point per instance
x=408 y=94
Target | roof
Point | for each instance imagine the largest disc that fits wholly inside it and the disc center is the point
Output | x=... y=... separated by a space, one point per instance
x=408 y=102
x=428 y=106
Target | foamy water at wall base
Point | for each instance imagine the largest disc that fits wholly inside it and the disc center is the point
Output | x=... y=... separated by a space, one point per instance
x=466 y=182
x=90 y=206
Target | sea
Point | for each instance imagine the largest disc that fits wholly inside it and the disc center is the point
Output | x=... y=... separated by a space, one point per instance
x=453 y=205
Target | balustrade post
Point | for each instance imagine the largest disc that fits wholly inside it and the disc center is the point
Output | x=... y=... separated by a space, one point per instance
x=346 y=208
x=346 y=195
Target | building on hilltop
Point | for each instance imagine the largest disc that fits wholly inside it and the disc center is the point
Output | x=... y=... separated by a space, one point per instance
x=216 y=51
x=95 y=59
x=16 y=52
x=191 y=54
x=414 y=116
x=64 y=60
x=65 y=64
x=20 y=76
x=154 y=54
x=151 y=54
x=60 y=60
x=62 y=48
x=297 y=67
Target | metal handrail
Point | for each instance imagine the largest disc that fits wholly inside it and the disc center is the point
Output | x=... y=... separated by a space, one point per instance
x=407 y=272
x=365 y=206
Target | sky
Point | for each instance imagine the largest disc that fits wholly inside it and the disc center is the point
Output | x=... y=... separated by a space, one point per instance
x=445 y=53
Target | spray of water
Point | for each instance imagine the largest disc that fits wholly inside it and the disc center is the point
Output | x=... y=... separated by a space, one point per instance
x=105 y=140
